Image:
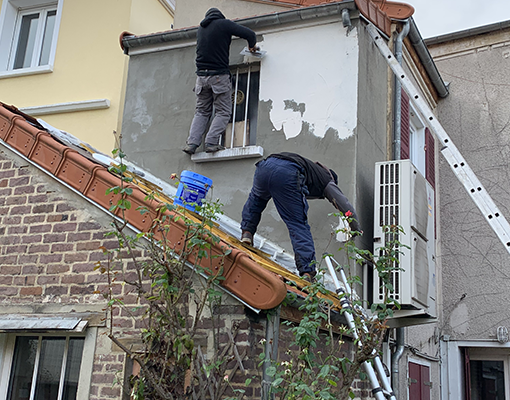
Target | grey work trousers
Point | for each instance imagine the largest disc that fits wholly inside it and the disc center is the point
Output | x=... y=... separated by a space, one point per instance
x=211 y=90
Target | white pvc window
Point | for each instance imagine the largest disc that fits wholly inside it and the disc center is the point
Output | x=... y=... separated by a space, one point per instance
x=33 y=38
x=43 y=367
x=28 y=36
x=417 y=142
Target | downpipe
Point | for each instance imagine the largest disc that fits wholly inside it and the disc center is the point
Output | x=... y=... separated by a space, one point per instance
x=271 y=350
x=395 y=359
x=399 y=351
x=397 y=122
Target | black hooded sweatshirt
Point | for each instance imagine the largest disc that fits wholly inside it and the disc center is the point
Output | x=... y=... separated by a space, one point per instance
x=213 y=42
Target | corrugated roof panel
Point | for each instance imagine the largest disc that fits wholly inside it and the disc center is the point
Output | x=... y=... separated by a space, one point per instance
x=12 y=322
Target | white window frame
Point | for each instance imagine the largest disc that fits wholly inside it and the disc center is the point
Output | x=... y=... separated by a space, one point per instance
x=10 y=22
x=478 y=354
x=417 y=142
x=246 y=150
x=7 y=344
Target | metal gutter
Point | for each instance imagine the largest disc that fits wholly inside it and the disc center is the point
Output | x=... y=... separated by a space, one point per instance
x=480 y=30
x=426 y=59
x=255 y=23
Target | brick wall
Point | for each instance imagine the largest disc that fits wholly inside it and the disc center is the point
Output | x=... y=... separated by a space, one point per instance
x=50 y=241
x=48 y=246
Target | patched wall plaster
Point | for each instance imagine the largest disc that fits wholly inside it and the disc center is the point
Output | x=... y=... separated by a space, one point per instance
x=322 y=92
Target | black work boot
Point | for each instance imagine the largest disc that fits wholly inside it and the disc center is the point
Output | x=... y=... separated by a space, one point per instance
x=211 y=148
x=247 y=237
x=190 y=148
x=309 y=276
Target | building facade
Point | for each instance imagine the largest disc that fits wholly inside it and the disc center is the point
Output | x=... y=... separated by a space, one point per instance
x=58 y=66
x=322 y=90
x=474 y=326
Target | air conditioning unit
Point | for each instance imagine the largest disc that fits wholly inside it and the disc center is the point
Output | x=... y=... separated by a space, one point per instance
x=404 y=197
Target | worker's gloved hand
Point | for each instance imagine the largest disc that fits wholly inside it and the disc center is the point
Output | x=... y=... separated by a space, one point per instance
x=254 y=49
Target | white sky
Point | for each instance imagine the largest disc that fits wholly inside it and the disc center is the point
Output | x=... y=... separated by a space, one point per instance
x=438 y=17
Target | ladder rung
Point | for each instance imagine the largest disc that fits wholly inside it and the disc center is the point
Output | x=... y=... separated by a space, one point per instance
x=458 y=164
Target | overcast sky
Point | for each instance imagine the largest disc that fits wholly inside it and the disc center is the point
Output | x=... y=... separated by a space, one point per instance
x=437 y=17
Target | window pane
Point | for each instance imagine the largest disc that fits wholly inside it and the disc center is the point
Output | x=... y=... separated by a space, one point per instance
x=73 y=368
x=487 y=380
x=26 y=41
x=20 y=382
x=50 y=368
x=47 y=37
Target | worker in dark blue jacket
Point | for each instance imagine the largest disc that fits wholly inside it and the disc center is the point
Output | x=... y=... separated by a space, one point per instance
x=213 y=85
x=290 y=179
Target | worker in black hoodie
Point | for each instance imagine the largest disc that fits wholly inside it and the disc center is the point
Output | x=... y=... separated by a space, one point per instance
x=213 y=86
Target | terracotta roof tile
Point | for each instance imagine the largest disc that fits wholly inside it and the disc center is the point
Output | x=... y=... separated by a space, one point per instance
x=244 y=268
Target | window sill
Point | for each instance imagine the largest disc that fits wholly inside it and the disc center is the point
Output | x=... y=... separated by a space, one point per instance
x=229 y=154
x=26 y=71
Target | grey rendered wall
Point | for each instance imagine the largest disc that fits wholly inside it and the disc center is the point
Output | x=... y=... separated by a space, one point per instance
x=371 y=127
x=476 y=115
x=159 y=108
x=191 y=12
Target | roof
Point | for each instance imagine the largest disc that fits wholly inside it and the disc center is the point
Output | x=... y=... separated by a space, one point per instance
x=379 y=12
x=480 y=30
x=250 y=274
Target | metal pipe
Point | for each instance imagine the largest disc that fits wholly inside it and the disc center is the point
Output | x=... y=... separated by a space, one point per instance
x=397 y=122
x=399 y=351
x=426 y=59
x=246 y=108
x=346 y=18
x=395 y=359
x=271 y=350
x=234 y=112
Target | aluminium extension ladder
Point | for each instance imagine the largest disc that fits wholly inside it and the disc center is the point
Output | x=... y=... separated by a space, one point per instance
x=452 y=155
x=378 y=376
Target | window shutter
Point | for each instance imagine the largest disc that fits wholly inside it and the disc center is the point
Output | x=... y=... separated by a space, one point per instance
x=404 y=127
x=430 y=160
x=414 y=381
x=419 y=382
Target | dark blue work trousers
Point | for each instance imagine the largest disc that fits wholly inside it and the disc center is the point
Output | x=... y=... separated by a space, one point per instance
x=283 y=181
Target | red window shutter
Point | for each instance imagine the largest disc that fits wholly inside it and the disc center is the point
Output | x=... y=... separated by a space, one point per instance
x=414 y=381
x=405 y=134
x=419 y=382
x=425 y=382
x=430 y=160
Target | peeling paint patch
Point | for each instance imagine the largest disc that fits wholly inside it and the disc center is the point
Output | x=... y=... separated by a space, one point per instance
x=310 y=75
x=292 y=105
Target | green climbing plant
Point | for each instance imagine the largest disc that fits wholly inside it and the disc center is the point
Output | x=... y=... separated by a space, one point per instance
x=164 y=281
x=318 y=363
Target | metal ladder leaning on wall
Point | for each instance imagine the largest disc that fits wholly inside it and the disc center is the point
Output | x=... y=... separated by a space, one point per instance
x=378 y=376
x=452 y=155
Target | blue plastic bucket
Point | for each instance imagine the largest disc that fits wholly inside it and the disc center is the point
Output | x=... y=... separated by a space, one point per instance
x=192 y=189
